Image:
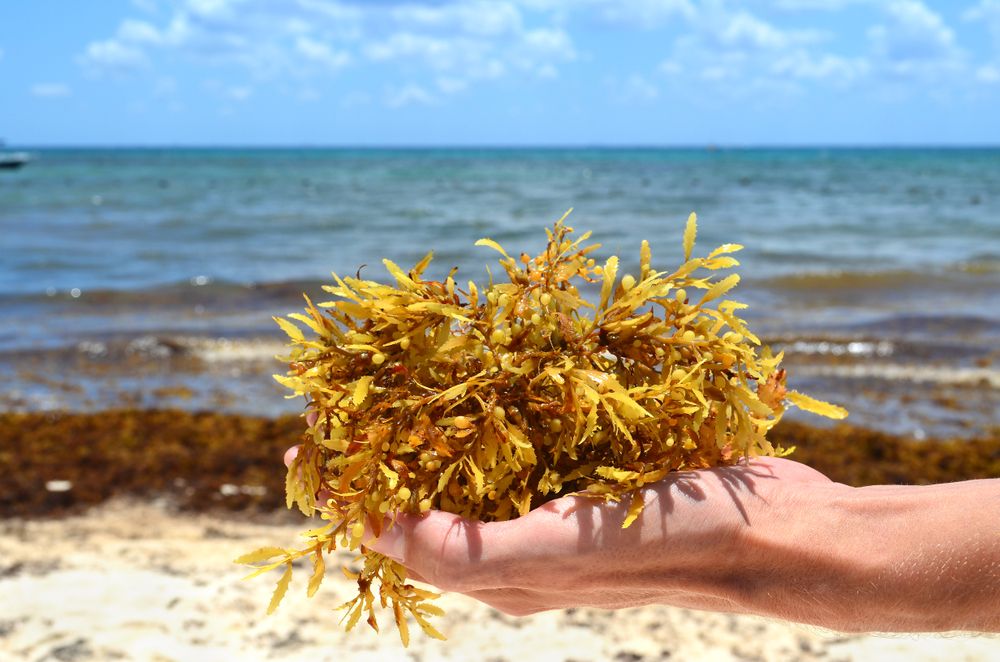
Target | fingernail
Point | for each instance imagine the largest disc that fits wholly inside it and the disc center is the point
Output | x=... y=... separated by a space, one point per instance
x=391 y=543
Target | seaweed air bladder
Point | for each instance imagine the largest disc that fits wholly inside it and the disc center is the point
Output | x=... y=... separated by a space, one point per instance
x=487 y=401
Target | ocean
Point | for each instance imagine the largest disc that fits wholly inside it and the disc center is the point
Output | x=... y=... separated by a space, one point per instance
x=148 y=277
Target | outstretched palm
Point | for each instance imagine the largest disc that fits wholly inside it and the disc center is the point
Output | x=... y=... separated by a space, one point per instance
x=573 y=551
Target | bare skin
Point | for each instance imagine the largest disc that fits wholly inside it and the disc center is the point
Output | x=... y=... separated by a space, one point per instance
x=774 y=538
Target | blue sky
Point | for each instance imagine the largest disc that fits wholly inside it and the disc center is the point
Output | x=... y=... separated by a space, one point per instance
x=506 y=72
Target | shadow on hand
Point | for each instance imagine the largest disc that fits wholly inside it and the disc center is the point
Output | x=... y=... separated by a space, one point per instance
x=600 y=523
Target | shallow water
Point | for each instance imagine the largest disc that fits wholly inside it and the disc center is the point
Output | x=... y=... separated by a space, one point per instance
x=138 y=272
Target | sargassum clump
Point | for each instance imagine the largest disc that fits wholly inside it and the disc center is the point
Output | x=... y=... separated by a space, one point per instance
x=488 y=401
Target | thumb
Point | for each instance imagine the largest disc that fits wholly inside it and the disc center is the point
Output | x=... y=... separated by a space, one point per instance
x=441 y=548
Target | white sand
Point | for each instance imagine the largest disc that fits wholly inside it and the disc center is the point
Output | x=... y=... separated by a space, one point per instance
x=137 y=582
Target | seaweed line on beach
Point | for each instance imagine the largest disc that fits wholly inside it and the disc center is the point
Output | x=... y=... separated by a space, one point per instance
x=58 y=463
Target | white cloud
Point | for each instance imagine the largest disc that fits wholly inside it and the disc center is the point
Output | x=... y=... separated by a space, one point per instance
x=263 y=37
x=826 y=66
x=987 y=12
x=549 y=42
x=636 y=88
x=438 y=53
x=239 y=92
x=227 y=92
x=479 y=18
x=645 y=13
x=340 y=13
x=547 y=71
x=321 y=53
x=988 y=73
x=915 y=42
x=139 y=32
x=733 y=52
x=408 y=95
x=451 y=85
x=424 y=51
x=474 y=58
x=540 y=50
x=111 y=56
x=51 y=90
x=816 y=5
x=471 y=41
x=671 y=67
x=731 y=49
x=640 y=14
x=212 y=7
x=148 y=6
x=744 y=31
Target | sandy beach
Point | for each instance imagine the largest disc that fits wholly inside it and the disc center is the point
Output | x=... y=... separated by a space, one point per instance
x=141 y=581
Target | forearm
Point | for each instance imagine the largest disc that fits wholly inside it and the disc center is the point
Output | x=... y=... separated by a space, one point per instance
x=884 y=558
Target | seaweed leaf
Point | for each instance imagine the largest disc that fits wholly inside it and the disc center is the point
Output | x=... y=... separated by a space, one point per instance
x=319 y=570
x=634 y=509
x=494 y=245
x=690 y=232
x=280 y=589
x=610 y=272
x=292 y=331
x=806 y=403
x=262 y=554
x=720 y=288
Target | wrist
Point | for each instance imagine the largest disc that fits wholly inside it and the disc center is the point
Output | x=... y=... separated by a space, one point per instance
x=795 y=560
x=881 y=558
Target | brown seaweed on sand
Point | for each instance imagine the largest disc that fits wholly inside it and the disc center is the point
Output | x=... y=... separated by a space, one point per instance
x=488 y=401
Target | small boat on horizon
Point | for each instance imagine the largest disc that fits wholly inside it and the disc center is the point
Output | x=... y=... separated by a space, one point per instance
x=12 y=160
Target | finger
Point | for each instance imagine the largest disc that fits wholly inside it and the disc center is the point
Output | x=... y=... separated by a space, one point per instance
x=415 y=576
x=323 y=496
x=311 y=418
x=290 y=455
x=450 y=552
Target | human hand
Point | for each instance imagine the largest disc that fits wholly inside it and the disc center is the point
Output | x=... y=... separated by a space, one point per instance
x=685 y=549
x=771 y=537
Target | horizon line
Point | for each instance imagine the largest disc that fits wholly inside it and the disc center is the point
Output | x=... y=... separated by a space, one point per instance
x=500 y=146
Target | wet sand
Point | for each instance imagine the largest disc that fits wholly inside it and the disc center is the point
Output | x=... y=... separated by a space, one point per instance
x=142 y=581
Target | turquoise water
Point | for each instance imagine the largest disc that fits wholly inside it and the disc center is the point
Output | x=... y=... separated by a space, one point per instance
x=186 y=246
x=130 y=219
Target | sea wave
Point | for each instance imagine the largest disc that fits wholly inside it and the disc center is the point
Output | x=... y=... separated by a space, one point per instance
x=197 y=289
x=978 y=274
x=962 y=278
x=898 y=372
x=855 y=348
x=223 y=350
x=125 y=353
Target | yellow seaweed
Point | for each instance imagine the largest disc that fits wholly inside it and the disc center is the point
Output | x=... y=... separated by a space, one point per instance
x=489 y=401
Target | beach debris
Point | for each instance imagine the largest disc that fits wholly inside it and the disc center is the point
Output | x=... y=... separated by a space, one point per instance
x=487 y=401
x=229 y=489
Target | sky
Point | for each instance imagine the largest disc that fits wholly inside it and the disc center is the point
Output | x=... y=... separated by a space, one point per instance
x=504 y=72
